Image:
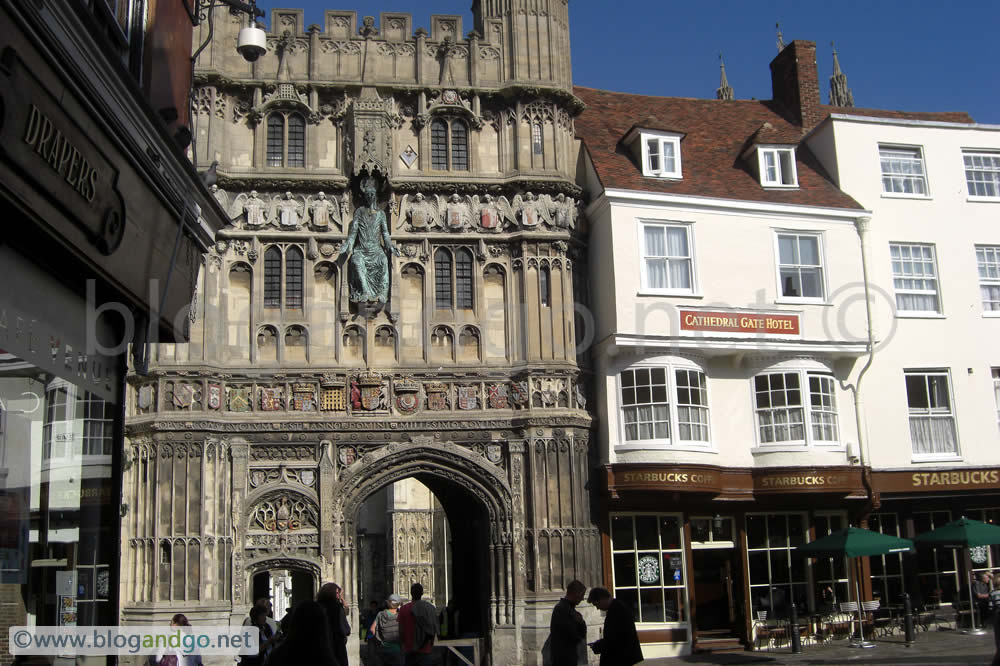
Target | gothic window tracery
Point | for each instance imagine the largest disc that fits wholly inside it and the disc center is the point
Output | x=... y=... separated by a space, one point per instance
x=449 y=145
x=286 y=140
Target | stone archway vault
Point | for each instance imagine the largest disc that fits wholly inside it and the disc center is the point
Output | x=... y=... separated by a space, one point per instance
x=472 y=473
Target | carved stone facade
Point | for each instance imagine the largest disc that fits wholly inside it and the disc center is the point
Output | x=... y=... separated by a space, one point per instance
x=254 y=446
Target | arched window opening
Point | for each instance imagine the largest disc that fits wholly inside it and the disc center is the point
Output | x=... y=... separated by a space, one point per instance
x=293 y=278
x=449 y=146
x=536 y=138
x=463 y=279
x=286 y=140
x=442 y=280
x=544 y=287
x=272 y=277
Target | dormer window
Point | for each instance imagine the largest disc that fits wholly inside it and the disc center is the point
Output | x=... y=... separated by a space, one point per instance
x=777 y=166
x=661 y=155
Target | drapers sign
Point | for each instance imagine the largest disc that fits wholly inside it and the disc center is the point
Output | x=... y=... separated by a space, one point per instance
x=739 y=322
x=58 y=156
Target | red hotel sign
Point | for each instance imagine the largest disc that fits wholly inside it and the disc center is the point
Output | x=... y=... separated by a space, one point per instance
x=739 y=322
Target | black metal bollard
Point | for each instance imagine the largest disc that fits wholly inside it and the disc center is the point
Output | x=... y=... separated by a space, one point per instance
x=793 y=628
x=907 y=620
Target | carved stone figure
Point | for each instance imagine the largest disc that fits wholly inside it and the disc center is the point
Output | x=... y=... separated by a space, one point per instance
x=288 y=210
x=324 y=211
x=532 y=211
x=421 y=212
x=446 y=52
x=564 y=211
x=457 y=211
x=367 y=243
x=253 y=207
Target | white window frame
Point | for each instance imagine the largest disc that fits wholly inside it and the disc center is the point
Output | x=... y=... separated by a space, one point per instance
x=988 y=269
x=932 y=412
x=820 y=253
x=901 y=153
x=670 y=368
x=643 y=257
x=902 y=291
x=785 y=171
x=660 y=140
x=988 y=169
x=805 y=404
x=680 y=551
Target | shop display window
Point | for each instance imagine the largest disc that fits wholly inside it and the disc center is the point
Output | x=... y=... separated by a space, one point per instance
x=888 y=583
x=777 y=573
x=830 y=573
x=59 y=503
x=647 y=557
x=937 y=568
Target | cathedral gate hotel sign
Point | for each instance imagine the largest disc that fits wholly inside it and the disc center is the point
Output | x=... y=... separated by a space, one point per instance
x=739 y=323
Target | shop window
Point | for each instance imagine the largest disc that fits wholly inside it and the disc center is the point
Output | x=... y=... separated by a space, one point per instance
x=777 y=572
x=830 y=573
x=932 y=419
x=449 y=145
x=286 y=140
x=937 y=568
x=888 y=581
x=985 y=558
x=664 y=405
x=283 y=269
x=796 y=407
x=717 y=530
x=647 y=566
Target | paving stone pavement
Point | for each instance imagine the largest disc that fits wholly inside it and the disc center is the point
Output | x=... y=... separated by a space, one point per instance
x=932 y=648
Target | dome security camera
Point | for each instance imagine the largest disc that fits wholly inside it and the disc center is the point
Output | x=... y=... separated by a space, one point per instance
x=252 y=43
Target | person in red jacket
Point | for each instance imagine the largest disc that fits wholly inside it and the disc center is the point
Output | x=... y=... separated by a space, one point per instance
x=417 y=627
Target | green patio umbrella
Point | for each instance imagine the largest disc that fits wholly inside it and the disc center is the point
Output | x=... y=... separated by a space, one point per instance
x=856 y=542
x=962 y=533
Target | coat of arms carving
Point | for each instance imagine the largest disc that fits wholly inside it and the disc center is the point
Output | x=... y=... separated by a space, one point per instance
x=494 y=453
x=239 y=399
x=407 y=395
x=270 y=399
x=368 y=392
x=347 y=456
x=303 y=398
x=437 y=396
x=520 y=393
x=183 y=394
x=145 y=398
x=214 y=396
x=498 y=396
x=468 y=397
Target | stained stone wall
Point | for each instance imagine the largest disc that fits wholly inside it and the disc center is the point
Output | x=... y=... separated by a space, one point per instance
x=253 y=446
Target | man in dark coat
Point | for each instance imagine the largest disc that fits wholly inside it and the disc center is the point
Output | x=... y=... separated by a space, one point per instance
x=620 y=645
x=331 y=598
x=568 y=628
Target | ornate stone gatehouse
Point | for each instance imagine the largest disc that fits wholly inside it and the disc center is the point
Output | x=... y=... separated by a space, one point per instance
x=393 y=299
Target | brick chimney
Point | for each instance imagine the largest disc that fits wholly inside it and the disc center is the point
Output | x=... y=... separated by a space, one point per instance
x=795 y=84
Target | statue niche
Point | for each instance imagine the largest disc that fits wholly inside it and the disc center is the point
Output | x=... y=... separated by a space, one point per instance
x=368 y=244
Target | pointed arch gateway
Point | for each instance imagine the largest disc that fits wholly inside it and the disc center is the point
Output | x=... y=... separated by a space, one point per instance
x=475 y=495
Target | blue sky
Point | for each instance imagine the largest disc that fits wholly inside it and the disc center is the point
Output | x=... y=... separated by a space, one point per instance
x=914 y=55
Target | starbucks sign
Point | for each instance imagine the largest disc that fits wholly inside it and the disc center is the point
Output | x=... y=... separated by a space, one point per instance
x=649 y=569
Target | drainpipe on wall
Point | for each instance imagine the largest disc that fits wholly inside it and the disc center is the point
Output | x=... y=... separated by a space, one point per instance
x=861 y=224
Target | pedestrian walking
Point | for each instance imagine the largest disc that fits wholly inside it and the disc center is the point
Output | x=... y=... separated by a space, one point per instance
x=567 y=629
x=417 y=627
x=385 y=629
x=307 y=640
x=331 y=598
x=620 y=645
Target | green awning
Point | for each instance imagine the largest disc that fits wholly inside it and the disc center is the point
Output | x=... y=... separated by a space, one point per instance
x=961 y=533
x=855 y=542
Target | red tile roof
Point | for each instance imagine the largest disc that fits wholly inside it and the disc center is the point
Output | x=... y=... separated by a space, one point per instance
x=716 y=133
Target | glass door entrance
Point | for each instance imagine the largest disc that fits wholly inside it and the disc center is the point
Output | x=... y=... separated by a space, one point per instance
x=718 y=585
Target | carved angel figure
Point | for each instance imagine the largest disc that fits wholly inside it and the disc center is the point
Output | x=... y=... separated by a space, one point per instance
x=367 y=242
x=324 y=211
x=287 y=210
x=421 y=212
x=532 y=210
x=493 y=213
x=253 y=208
x=458 y=211
x=563 y=210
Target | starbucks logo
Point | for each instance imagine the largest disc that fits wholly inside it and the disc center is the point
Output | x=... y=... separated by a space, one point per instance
x=649 y=569
x=979 y=554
